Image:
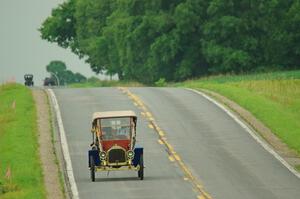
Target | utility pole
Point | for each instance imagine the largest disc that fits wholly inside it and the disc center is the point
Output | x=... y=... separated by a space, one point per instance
x=57 y=79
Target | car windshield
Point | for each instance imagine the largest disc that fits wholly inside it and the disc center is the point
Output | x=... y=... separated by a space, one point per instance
x=115 y=128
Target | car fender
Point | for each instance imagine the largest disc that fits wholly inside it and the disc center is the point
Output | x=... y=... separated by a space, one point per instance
x=94 y=154
x=138 y=151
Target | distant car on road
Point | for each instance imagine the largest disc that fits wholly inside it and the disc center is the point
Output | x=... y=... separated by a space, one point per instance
x=49 y=82
x=113 y=147
x=28 y=80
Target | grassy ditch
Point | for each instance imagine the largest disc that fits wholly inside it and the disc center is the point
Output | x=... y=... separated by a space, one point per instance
x=274 y=98
x=298 y=168
x=20 y=169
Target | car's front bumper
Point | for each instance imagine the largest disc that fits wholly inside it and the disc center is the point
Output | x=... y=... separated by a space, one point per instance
x=122 y=168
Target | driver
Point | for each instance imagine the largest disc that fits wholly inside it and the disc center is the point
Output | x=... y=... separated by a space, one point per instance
x=107 y=133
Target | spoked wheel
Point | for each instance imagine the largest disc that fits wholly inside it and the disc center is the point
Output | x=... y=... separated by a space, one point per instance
x=141 y=171
x=92 y=169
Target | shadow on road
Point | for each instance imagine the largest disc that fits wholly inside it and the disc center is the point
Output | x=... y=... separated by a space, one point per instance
x=119 y=179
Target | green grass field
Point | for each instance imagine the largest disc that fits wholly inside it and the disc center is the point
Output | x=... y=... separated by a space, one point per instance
x=18 y=145
x=298 y=167
x=274 y=98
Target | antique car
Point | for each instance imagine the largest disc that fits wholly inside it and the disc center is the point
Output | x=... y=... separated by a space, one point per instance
x=28 y=80
x=113 y=146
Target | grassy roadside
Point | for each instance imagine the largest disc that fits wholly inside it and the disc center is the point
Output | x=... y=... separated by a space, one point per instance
x=20 y=169
x=273 y=98
x=298 y=168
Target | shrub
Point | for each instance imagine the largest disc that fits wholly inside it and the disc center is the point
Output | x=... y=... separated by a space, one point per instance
x=161 y=82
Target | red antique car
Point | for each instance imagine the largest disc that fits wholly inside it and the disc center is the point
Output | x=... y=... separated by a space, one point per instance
x=113 y=147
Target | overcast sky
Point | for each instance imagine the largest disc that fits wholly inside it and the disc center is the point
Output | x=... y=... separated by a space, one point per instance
x=21 y=48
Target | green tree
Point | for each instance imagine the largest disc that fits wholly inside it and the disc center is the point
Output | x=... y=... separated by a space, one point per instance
x=178 y=39
x=292 y=39
x=78 y=77
x=58 y=69
x=61 y=27
x=68 y=77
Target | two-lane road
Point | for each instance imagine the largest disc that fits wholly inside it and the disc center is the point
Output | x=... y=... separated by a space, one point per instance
x=228 y=162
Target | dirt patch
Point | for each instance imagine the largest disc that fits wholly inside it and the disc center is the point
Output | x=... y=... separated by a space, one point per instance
x=47 y=155
x=291 y=156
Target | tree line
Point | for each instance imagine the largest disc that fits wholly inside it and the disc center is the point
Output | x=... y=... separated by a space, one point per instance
x=60 y=75
x=146 y=40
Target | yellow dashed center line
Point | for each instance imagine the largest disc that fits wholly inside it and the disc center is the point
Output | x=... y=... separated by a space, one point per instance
x=173 y=156
x=161 y=133
x=160 y=142
x=177 y=157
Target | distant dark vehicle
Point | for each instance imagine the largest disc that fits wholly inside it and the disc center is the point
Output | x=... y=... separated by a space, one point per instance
x=49 y=82
x=28 y=80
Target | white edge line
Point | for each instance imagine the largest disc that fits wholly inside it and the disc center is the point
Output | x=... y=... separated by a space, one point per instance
x=256 y=138
x=64 y=145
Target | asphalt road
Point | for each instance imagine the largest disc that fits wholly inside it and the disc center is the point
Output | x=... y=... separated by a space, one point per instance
x=228 y=162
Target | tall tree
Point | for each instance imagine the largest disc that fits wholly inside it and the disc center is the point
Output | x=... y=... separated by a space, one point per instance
x=56 y=67
x=178 y=39
x=61 y=26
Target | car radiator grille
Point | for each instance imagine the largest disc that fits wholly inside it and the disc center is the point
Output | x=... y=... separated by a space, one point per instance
x=116 y=156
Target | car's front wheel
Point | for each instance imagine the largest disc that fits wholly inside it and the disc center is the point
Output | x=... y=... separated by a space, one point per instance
x=92 y=168
x=141 y=171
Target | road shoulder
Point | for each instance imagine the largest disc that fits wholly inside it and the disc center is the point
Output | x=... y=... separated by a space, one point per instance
x=46 y=149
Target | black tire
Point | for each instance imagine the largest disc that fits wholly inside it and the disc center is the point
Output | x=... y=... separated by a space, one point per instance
x=92 y=168
x=141 y=171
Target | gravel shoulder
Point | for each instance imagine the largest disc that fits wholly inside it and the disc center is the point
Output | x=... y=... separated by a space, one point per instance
x=47 y=154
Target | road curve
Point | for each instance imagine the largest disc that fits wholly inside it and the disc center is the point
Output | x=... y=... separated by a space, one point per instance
x=229 y=163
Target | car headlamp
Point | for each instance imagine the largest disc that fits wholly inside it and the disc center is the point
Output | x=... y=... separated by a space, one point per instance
x=102 y=155
x=130 y=154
